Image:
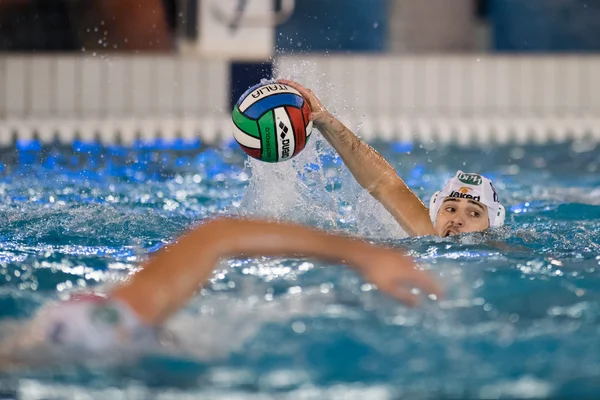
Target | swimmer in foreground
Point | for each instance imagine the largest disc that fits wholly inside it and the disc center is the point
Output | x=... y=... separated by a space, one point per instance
x=467 y=203
x=132 y=313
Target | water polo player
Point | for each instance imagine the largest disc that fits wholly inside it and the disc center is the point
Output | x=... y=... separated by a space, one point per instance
x=129 y=316
x=467 y=203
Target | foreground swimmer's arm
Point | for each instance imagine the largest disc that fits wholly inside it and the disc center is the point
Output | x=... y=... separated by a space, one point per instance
x=174 y=274
x=171 y=277
x=370 y=169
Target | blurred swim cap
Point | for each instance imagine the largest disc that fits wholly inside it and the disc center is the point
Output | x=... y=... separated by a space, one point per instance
x=470 y=186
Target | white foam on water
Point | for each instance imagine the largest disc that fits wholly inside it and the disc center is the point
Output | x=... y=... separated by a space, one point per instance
x=29 y=390
x=225 y=323
x=527 y=387
x=568 y=195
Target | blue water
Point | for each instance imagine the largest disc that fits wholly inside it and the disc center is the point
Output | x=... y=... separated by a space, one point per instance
x=521 y=317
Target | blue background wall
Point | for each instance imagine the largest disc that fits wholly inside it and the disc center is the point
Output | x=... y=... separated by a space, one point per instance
x=335 y=25
x=546 y=25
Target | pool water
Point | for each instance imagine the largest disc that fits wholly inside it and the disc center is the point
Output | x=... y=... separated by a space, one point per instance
x=521 y=318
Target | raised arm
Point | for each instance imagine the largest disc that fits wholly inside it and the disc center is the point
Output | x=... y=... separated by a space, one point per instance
x=171 y=277
x=370 y=169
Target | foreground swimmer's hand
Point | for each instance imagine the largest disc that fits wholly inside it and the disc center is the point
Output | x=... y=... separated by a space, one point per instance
x=396 y=274
x=321 y=118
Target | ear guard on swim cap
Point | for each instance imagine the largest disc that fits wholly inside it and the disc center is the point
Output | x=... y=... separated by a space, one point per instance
x=433 y=207
x=470 y=186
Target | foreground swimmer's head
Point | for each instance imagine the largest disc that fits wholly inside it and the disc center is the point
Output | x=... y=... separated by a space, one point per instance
x=468 y=203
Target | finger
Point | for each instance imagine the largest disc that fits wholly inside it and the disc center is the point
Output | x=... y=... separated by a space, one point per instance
x=288 y=82
x=399 y=291
x=293 y=84
x=425 y=281
x=312 y=116
x=306 y=93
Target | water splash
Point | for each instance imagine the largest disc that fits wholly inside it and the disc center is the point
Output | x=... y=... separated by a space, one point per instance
x=315 y=186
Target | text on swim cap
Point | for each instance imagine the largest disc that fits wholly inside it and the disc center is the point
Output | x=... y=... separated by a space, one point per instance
x=460 y=195
x=470 y=179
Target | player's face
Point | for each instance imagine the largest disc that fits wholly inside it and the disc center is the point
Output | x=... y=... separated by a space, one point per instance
x=458 y=216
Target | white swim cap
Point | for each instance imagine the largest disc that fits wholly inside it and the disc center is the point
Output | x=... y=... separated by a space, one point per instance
x=470 y=186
